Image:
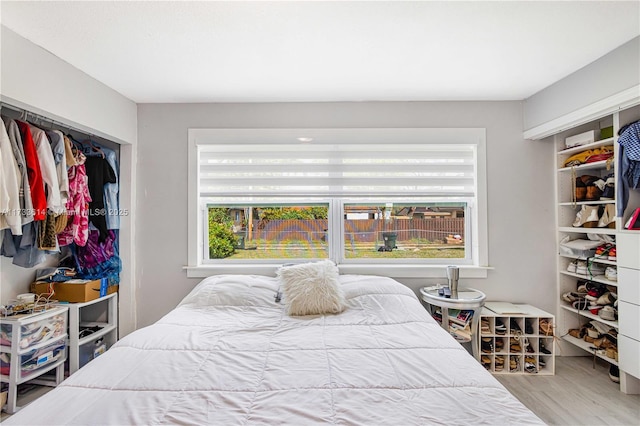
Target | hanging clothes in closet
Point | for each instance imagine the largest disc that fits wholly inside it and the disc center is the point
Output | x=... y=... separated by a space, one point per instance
x=54 y=193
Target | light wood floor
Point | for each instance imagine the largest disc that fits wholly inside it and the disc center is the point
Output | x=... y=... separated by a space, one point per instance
x=578 y=394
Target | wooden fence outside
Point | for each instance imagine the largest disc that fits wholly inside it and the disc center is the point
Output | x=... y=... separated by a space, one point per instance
x=368 y=230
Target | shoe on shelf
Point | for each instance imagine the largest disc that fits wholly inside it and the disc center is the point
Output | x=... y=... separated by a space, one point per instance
x=608 y=313
x=609 y=191
x=484 y=327
x=612 y=352
x=514 y=363
x=515 y=328
x=543 y=349
x=611 y=273
x=612 y=253
x=593 y=192
x=545 y=327
x=500 y=327
x=602 y=251
x=608 y=218
x=589 y=268
x=595 y=292
x=581 y=305
x=572 y=266
x=528 y=328
x=587 y=217
x=614 y=373
x=607 y=299
x=569 y=297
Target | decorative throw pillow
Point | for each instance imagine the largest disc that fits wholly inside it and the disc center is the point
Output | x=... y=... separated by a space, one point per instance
x=312 y=288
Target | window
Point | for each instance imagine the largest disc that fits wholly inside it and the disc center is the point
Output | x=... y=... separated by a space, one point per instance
x=357 y=196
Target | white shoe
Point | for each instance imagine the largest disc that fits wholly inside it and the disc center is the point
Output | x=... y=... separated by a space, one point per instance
x=611 y=273
x=572 y=266
x=608 y=217
x=592 y=269
x=587 y=217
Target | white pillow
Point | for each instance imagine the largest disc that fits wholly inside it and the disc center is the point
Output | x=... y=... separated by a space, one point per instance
x=312 y=288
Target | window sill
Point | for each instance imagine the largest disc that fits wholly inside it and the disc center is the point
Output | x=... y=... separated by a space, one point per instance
x=392 y=271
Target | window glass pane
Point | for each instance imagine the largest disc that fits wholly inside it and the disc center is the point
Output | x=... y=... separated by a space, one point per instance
x=405 y=230
x=268 y=231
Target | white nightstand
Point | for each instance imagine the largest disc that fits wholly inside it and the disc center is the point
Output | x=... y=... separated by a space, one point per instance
x=465 y=299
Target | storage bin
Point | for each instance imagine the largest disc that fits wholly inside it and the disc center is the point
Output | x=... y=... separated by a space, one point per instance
x=91 y=350
x=35 y=332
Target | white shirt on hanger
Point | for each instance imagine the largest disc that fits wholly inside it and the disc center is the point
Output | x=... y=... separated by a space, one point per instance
x=48 y=169
x=10 y=181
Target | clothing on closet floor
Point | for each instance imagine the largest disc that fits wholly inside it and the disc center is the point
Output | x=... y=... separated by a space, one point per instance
x=628 y=164
x=38 y=198
x=77 y=229
x=99 y=173
x=10 y=179
x=26 y=205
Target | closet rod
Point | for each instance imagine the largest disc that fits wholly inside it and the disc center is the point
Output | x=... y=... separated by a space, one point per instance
x=41 y=118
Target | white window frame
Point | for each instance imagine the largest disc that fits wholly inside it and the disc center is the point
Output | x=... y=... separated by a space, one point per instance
x=477 y=220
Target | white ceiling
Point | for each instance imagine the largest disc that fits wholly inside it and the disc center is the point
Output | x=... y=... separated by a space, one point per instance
x=325 y=51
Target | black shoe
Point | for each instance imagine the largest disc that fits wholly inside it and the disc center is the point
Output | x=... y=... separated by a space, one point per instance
x=614 y=373
x=528 y=328
x=544 y=350
x=514 y=326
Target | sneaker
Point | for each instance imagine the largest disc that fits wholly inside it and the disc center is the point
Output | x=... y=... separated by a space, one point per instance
x=607 y=299
x=603 y=250
x=569 y=297
x=500 y=327
x=608 y=313
x=609 y=190
x=612 y=253
x=611 y=273
x=591 y=269
x=581 y=305
x=572 y=266
x=614 y=373
x=595 y=292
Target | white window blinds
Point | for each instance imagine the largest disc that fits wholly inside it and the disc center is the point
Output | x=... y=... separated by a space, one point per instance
x=343 y=170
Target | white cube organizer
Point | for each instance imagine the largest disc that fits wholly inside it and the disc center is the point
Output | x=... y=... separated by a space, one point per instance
x=509 y=347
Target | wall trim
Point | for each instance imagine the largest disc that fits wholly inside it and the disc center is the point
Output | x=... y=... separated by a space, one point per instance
x=622 y=100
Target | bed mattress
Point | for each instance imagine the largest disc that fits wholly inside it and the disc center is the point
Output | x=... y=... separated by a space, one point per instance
x=228 y=354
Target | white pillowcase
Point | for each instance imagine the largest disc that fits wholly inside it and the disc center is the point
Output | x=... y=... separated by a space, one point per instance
x=312 y=288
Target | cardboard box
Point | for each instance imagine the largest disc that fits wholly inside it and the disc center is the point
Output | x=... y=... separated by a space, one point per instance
x=76 y=290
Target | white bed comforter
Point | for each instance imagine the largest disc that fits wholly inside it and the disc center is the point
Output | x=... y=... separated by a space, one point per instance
x=229 y=355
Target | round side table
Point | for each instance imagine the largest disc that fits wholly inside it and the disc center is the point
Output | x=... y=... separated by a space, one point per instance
x=467 y=299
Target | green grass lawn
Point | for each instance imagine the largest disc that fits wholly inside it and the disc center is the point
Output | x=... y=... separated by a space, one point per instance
x=318 y=250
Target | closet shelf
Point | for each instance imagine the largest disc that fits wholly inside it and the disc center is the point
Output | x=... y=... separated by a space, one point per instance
x=589 y=203
x=596 y=144
x=598 y=278
x=587 y=347
x=588 y=166
x=591 y=259
x=588 y=314
x=605 y=231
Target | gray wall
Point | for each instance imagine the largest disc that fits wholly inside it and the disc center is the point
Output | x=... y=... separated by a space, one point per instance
x=615 y=72
x=519 y=181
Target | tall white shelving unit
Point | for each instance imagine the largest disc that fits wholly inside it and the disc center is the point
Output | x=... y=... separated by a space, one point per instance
x=627 y=284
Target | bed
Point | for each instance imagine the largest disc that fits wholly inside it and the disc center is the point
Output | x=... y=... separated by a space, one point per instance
x=229 y=354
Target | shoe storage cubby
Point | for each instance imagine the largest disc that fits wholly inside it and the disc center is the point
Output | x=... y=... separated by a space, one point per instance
x=592 y=282
x=517 y=343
